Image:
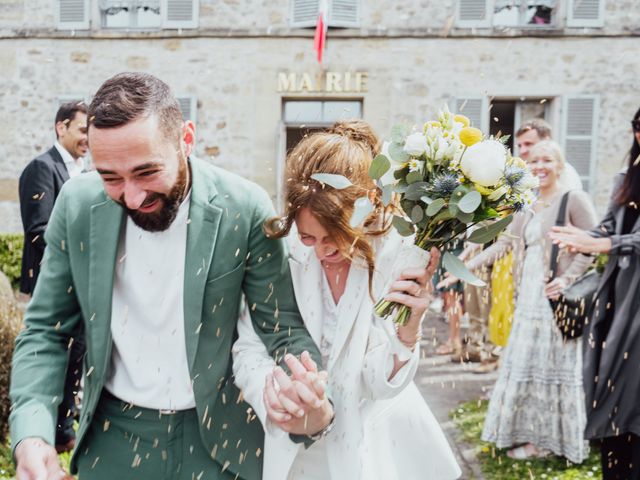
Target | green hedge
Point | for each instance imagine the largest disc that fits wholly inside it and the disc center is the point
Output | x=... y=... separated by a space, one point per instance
x=11 y=256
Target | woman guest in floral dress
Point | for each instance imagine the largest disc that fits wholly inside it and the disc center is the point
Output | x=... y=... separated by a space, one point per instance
x=537 y=404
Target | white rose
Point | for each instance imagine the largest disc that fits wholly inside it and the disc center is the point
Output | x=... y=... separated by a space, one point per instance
x=388 y=178
x=415 y=144
x=484 y=163
x=528 y=182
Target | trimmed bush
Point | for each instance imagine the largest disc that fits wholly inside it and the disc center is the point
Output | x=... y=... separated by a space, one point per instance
x=11 y=256
x=10 y=322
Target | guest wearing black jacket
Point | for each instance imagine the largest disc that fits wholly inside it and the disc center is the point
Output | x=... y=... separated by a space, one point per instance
x=39 y=186
x=612 y=337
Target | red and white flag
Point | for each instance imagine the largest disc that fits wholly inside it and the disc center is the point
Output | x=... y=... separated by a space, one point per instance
x=321 y=30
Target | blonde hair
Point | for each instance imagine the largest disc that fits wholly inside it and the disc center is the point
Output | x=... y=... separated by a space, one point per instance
x=551 y=148
x=347 y=148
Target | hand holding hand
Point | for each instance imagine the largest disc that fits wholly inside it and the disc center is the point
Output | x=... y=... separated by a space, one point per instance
x=37 y=460
x=298 y=404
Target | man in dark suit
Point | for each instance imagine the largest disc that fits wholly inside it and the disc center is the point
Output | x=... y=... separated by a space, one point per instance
x=39 y=186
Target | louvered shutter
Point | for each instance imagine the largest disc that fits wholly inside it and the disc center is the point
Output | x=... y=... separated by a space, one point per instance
x=304 y=13
x=579 y=118
x=344 y=13
x=475 y=109
x=72 y=14
x=473 y=13
x=179 y=13
x=188 y=105
x=585 y=13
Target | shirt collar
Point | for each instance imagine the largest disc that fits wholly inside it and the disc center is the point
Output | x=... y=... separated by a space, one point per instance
x=66 y=156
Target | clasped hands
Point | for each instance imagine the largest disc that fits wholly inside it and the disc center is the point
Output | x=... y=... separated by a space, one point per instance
x=298 y=403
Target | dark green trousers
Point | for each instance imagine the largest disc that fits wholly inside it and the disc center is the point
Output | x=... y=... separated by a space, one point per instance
x=128 y=442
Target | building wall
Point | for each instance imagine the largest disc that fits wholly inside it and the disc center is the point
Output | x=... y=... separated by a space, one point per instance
x=235 y=77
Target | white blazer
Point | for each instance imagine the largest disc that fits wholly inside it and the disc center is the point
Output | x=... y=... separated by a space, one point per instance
x=383 y=429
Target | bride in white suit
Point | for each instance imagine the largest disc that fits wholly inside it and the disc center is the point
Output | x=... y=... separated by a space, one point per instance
x=382 y=428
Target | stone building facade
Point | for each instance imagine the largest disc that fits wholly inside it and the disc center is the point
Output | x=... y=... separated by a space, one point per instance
x=246 y=72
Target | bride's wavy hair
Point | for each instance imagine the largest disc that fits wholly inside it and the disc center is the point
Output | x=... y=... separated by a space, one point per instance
x=347 y=148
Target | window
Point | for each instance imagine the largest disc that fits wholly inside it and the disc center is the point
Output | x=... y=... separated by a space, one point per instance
x=519 y=13
x=579 y=131
x=72 y=14
x=302 y=117
x=189 y=107
x=341 y=13
x=149 y=14
x=528 y=13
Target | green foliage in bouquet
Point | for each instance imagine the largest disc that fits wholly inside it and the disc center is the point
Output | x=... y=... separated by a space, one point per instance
x=445 y=179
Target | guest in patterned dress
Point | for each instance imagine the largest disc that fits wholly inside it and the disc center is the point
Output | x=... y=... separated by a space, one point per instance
x=537 y=405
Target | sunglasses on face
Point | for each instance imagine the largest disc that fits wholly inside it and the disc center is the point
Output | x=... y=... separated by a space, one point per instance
x=635 y=124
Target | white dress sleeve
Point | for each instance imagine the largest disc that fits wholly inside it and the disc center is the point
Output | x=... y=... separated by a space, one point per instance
x=251 y=365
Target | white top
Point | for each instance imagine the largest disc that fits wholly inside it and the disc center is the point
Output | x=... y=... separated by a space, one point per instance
x=74 y=167
x=149 y=358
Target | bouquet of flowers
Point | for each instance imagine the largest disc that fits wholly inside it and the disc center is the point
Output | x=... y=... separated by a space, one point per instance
x=445 y=178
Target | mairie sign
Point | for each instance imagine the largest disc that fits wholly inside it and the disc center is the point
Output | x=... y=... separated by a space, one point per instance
x=324 y=82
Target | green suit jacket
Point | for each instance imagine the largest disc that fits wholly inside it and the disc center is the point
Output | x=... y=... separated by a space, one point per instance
x=227 y=255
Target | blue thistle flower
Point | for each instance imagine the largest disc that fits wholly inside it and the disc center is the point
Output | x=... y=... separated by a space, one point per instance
x=514 y=175
x=444 y=184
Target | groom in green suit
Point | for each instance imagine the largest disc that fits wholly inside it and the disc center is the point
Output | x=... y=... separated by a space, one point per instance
x=152 y=253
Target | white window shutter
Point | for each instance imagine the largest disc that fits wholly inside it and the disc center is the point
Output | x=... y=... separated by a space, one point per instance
x=579 y=130
x=180 y=13
x=304 y=13
x=72 y=14
x=585 y=13
x=344 y=13
x=473 y=13
x=189 y=107
x=475 y=109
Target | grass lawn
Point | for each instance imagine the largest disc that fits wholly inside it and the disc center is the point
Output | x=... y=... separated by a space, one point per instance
x=469 y=418
x=7 y=470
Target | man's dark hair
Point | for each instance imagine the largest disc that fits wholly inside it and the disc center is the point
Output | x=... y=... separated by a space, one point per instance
x=537 y=124
x=67 y=112
x=129 y=96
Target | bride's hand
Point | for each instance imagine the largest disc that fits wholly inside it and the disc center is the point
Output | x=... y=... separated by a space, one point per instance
x=414 y=289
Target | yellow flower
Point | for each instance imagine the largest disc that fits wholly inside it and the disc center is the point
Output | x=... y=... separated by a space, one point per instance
x=518 y=162
x=483 y=190
x=470 y=136
x=462 y=119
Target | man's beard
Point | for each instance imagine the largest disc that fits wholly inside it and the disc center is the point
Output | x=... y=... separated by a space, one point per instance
x=160 y=219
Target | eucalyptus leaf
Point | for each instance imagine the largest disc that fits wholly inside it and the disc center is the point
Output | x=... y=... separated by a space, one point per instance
x=399 y=133
x=456 y=267
x=400 y=188
x=435 y=206
x=464 y=217
x=379 y=166
x=361 y=210
x=417 y=214
x=414 y=177
x=487 y=233
x=416 y=190
x=336 y=181
x=458 y=194
x=397 y=153
x=403 y=227
x=470 y=202
x=426 y=199
x=443 y=216
x=387 y=194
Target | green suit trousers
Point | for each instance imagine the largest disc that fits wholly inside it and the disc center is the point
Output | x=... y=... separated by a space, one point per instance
x=128 y=442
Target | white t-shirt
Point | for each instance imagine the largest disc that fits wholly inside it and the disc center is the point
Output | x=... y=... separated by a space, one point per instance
x=149 y=359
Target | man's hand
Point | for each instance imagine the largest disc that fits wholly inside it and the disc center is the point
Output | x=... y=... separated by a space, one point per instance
x=576 y=240
x=37 y=460
x=298 y=404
